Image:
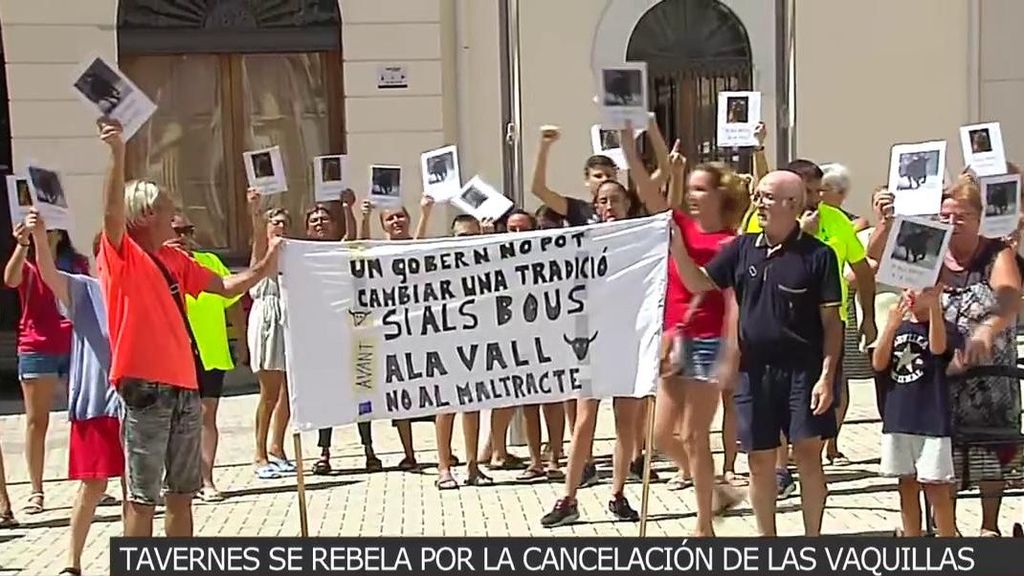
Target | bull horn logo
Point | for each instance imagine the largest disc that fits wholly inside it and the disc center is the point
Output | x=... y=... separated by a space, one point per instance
x=580 y=345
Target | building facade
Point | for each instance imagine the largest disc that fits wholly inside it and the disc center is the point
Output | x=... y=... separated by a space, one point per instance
x=326 y=76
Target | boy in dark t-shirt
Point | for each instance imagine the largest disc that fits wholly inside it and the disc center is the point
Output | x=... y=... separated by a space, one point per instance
x=596 y=171
x=911 y=363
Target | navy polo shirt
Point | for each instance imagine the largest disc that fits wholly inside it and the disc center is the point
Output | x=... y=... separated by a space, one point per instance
x=780 y=290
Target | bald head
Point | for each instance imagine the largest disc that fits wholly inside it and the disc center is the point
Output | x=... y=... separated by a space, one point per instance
x=782 y=183
x=780 y=199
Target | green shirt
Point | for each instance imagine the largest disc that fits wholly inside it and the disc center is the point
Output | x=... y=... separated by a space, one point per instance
x=206 y=315
x=836 y=230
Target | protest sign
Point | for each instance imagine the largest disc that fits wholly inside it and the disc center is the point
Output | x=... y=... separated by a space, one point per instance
x=405 y=329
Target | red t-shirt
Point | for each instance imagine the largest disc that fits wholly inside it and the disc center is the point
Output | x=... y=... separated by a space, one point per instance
x=148 y=339
x=42 y=329
x=707 y=319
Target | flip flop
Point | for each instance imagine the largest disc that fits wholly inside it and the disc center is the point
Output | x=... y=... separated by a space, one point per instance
x=531 y=475
x=839 y=459
x=108 y=500
x=509 y=463
x=7 y=520
x=446 y=482
x=678 y=483
x=210 y=495
x=731 y=479
x=34 y=504
x=408 y=465
x=268 y=472
x=985 y=533
x=479 y=480
x=555 y=474
x=70 y=572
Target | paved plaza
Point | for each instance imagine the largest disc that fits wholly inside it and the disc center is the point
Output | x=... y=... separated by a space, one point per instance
x=352 y=503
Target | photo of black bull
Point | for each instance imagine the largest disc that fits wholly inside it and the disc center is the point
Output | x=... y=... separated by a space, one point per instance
x=915 y=169
x=1000 y=199
x=622 y=87
x=102 y=86
x=385 y=181
x=438 y=168
x=916 y=243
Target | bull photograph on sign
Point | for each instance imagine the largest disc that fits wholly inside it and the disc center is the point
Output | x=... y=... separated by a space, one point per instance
x=982 y=145
x=265 y=170
x=916 y=174
x=386 y=185
x=623 y=95
x=914 y=253
x=739 y=114
x=440 y=172
x=330 y=177
x=1000 y=197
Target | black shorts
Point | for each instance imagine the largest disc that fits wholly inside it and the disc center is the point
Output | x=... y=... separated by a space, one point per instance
x=211 y=383
x=771 y=400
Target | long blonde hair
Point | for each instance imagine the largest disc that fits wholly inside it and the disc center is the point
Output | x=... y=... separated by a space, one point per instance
x=735 y=189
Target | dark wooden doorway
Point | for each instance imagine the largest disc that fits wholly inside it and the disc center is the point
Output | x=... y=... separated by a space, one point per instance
x=694 y=49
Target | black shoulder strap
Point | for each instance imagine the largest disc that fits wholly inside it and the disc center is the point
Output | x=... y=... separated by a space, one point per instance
x=179 y=301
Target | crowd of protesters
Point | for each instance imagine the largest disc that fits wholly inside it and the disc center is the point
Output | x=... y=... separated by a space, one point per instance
x=764 y=269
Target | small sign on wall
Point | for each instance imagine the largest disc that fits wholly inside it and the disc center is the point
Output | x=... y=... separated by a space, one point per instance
x=390 y=77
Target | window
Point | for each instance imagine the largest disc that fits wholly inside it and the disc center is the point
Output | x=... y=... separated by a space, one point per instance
x=220 y=92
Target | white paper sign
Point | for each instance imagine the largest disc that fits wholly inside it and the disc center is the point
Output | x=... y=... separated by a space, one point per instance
x=607 y=142
x=330 y=176
x=265 y=170
x=108 y=91
x=739 y=114
x=20 y=197
x=914 y=253
x=390 y=77
x=983 y=150
x=49 y=197
x=386 y=186
x=623 y=95
x=405 y=329
x=1000 y=200
x=916 y=173
x=480 y=200
x=440 y=172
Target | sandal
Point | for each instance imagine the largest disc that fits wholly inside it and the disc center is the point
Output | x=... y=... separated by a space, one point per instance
x=479 y=480
x=731 y=479
x=322 y=466
x=408 y=465
x=34 y=504
x=838 y=459
x=70 y=572
x=7 y=520
x=446 y=482
x=511 y=462
x=555 y=474
x=268 y=472
x=373 y=464
x=208 y=494
x=679 y=483
x=986 y=533
x=283 y=465
x=108 y=500
x=532 y=475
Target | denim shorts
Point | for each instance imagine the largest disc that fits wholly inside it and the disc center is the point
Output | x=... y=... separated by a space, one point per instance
x=161 y=433
x=694 y=358
x=33 y=365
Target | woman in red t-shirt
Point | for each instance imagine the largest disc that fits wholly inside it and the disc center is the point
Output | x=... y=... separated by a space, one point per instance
x=696 y=354
x=44 y=343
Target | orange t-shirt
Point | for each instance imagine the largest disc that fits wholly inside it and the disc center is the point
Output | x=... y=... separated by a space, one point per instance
x=148 y=339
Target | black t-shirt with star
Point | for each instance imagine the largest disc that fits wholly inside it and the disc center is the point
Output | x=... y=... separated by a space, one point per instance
x=915 y=386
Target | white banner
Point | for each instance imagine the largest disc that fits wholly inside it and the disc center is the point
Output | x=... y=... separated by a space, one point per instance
x=404 y=329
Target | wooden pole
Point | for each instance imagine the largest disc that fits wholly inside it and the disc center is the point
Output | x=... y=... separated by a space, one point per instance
x=301 y=486
x=648 y=456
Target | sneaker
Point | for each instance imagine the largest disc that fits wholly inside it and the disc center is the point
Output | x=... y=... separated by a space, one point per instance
x=636 y=470
x=589 y=476
x=620 y=508
x=564 y=512
x=786 y=483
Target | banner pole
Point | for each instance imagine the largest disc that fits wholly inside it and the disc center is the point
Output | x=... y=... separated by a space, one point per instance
x=648 y=457
x=301 y=486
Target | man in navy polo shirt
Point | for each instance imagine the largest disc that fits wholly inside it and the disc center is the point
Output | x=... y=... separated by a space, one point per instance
x=790 y=338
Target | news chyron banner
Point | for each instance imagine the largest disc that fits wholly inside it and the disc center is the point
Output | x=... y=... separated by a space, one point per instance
x=396 y=330
x=851 y=556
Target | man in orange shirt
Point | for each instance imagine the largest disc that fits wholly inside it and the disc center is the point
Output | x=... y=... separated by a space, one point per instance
x=153 y=353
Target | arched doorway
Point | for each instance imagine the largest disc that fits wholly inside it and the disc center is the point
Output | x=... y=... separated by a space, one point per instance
x=694 y=49
x=230 y=76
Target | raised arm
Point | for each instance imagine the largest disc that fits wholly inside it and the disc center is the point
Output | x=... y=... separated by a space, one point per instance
x=694 y=277
x=760 y=167
x=259 y=226
x=348 y=201
x=236 y=284
x=539 y=186
x=646 y=186
x=15 y=268
x=426 y=208
x=57 y=282
x=114 y=223
x=657 y=139
x=881 y=203
x=882 y=354
x=365 y=210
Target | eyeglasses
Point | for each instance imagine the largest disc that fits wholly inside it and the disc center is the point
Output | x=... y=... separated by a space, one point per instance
x=768 y=199
x=184 y=230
